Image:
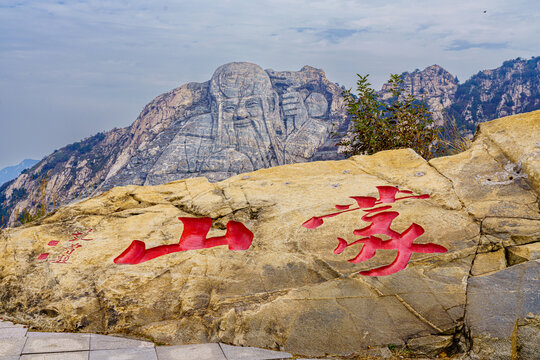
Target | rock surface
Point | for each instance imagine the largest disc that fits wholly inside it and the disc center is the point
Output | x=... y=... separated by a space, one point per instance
x=293 y=289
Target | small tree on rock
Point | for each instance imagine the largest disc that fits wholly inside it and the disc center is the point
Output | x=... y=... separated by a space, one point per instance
x=403 y=122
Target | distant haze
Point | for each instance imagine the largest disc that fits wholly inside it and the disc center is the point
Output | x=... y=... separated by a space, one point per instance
x=69 y=69
x=11 y=172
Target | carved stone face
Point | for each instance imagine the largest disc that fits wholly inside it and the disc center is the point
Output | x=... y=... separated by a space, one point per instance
x=242 y=112
x=245 y=112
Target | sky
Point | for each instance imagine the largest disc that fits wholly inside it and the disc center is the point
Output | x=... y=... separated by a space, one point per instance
x=70 y=69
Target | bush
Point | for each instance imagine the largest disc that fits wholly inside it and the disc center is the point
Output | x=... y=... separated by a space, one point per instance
x=403 y=122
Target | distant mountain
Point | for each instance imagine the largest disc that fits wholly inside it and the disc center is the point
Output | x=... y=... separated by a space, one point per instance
x=246 y=118
x=510 y=89
x=436 y=86
x=11 y=172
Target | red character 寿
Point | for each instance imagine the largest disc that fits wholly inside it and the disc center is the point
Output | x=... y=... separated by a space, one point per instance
x=380 y=223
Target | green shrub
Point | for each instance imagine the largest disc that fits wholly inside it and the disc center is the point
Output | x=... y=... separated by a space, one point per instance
x=401 y=122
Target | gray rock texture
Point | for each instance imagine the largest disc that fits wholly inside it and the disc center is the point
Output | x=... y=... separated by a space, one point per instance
x=433 y=84
x=512 y=88
x=243 y=119
x=502 y=309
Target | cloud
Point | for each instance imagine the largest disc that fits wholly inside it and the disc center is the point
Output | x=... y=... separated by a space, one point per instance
x=69 y=69
x=459 y=45
x=303 y=29
x=333 y=35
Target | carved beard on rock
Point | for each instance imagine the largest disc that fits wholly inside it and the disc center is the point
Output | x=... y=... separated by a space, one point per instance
x=245 y=124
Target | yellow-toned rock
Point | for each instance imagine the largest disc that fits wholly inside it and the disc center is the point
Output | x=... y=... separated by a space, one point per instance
x=519 y=254
x=292 y=289
x=485 y=263
x=518 y=136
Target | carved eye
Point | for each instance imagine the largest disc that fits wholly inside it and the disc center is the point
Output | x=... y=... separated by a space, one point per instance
x=229 y=108
x=252 y=103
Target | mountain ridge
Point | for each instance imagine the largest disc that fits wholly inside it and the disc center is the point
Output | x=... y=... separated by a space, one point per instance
x=11 y=172
x=512 y=88
x=294 y=115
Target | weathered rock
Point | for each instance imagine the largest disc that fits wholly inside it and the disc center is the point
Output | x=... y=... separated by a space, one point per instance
x=430 y=345
x=512 y=88
x=293 y=289
x=243 y=119
x=495 y=305
x=485 y=263
x=527 y=344
x=436 y=86
x=519 y=254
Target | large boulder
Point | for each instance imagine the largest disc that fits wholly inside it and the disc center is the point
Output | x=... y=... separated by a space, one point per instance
x=290 y=286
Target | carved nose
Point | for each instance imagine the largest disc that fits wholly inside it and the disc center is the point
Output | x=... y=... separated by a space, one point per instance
x=241 y=113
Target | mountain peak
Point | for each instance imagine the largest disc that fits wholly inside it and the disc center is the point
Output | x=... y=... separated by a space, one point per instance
x=434 y=85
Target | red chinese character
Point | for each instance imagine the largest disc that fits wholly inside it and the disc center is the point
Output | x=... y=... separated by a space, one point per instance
x=53 y=242
x=380 y=223
x=80 y=236
x=237 y=237
x=62 y=259
x=72 y=248
x=43 y=256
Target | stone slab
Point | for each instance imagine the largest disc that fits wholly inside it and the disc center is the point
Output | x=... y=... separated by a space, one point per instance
x=105 y=342
x=496 y=301
x=56 y=342
x=191 y=352
x=124 y=354
x=9 y=324
x=495 y=305
x=11 y=346
x=10 y=332
x=251 y=353
x=74 y=355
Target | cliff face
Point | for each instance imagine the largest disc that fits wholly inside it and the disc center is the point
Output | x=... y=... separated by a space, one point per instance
x=433 y=84
x=243 y=119
x=510 y=89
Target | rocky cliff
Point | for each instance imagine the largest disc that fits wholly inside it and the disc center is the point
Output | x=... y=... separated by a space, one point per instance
x=436 y=86
x=510 y=89
x=338 y=258
x=243 y=119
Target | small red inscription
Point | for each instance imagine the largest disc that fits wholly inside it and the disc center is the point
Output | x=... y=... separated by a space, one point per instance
x=62 y=259
x=380 y=223
x=69 y=249
x=80 y=236
x=237 y=237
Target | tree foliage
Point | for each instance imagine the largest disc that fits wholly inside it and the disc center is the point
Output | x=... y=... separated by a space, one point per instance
x=402 y=122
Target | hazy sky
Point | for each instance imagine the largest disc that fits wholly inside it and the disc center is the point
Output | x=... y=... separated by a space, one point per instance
x=69 y=69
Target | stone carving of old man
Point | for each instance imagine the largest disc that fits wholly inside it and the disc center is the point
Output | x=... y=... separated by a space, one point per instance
x=244 y=131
